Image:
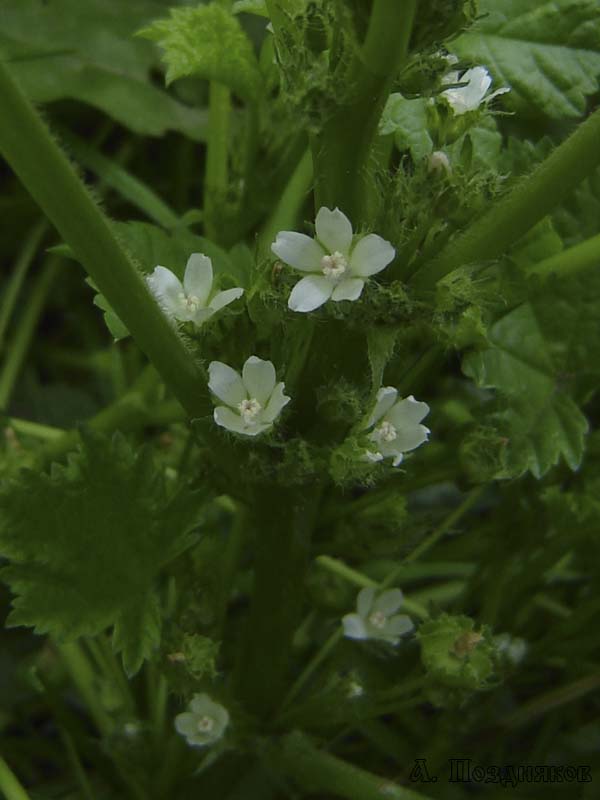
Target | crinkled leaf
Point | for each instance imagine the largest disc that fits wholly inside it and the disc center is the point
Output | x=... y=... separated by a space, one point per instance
x=210 y=43
x=407 y=120
x=85 y=51
x=542 y=421
x=86 y=542
x=548 y=53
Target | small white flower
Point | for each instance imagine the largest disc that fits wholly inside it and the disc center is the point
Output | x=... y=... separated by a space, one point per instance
x=396 y=425
x=512 y=647
x=469 y=97
x=253 y=400
x=337 y=268
x=204 y=723
x=375 y=617
x=194 y=300
x=438 y=161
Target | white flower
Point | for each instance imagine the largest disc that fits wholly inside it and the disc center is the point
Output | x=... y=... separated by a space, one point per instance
x=337 y=268
x=194 y=300
x=438 y=161
x=204 y=723
x=375 y=617
x=253 y=400
x=468 y=98
x=397 y=427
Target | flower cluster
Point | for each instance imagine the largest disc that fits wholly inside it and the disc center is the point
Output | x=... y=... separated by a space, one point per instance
x=337 y=266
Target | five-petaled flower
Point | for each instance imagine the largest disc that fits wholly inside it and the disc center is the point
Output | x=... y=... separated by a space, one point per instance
x=337 y=268
x=194 y=300
x=376 y=617
x=204 y=723
x=253 y=400
x=396 y=425
x=470 y=96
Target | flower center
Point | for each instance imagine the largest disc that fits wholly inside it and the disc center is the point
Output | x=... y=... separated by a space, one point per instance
x=386 y=432
x=191 y=302
x=378 y=619
x=205 y=724
x=249 y=410
x=334 y=265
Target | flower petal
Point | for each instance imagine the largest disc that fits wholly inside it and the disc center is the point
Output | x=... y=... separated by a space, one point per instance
x=198 y=277
x=276 y=402
x=227 y=418
x=226 y=383
x=371 y=255
x=201 y=315
x=407 y=412
x=410 y=438
x=391 y=450
x=310 y=293
x=222 y=299
x=372 y=457
x=298 y=250
x=201 y=704
x=167 y=288
x=386 y=397
x=186 y=724
x=389 y=601
x=334 y=230
x=354 y=627
x=350 y=289
x=364 y=601
x=398 y=625
x=259 y=378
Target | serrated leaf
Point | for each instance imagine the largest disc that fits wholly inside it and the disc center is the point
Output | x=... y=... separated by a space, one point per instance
x=86 y=543
x=542 y=421
x=548 y=53
x=85 y=52
x=210 y=43
x=137 y=632
x=407 y=120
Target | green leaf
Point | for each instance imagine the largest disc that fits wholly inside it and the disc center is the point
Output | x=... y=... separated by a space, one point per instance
x=85 y=51
x=258 y=7
x=137 y=632
x=407 y=120
x=210 y=43
x=542 y=421
x=86 y=543
x=548 y=53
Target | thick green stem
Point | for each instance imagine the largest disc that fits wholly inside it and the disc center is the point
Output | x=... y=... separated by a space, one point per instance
x=571 y=261
x=342 y=149
x=283 y=521
x=523 y=207
x=9 y=785
x=317 y=771
x=217 y=157
x=46 y=173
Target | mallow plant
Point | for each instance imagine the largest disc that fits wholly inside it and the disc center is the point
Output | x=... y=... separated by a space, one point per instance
x=299 y=487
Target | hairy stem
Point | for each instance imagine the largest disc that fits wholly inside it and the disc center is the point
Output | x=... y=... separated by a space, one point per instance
x=290 y=203
x=341 y=149
x=521 y=208
x=47 y=174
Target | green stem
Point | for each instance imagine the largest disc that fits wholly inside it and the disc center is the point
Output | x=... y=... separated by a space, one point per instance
x=9 y=784
x=320 y=772
x=34 y=429
x=289 y=205
x=231 y=557
x=283 y=521
x=24 y=261
x=341 y=150
x=217 y=157
x=26 y=330
x=85 y=680
x=522 y=207
x=571 y=261
x=47 y=174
